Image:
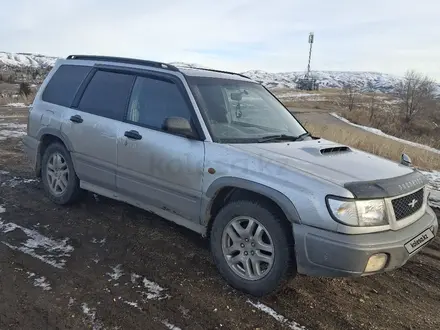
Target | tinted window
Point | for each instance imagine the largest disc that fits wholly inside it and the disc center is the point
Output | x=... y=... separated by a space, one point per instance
x=107 y=94
x=63 y=85
x=154 y=100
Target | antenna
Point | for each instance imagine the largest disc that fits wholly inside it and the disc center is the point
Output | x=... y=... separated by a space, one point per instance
x=311 y=38
x=308 y=82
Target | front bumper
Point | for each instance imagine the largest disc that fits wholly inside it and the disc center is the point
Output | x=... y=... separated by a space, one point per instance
x=330 y=254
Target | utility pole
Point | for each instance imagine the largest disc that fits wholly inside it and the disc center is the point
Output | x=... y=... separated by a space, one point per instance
x=311 y=38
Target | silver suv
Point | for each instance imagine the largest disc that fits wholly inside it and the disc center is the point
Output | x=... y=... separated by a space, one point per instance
x=217 y=153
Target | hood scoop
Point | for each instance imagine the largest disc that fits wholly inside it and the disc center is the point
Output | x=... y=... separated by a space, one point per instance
x=335 y=150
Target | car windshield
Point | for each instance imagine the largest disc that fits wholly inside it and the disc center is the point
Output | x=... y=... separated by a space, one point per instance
x=243 y=112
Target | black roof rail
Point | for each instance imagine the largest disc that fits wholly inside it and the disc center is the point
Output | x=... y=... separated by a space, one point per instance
x=123 y=60
x=218 y=71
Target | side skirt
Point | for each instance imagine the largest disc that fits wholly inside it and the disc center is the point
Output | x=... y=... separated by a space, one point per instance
x=150 y=208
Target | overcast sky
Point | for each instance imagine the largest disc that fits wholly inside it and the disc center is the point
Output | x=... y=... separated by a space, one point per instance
x=354 y=35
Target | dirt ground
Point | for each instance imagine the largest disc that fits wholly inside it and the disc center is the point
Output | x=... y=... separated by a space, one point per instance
x=101 y=264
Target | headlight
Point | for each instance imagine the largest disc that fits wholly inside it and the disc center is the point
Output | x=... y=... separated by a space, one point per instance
x=358 y=213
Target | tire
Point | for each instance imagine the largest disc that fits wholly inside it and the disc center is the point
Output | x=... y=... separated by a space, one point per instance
x=72 y=191
x=275 y=275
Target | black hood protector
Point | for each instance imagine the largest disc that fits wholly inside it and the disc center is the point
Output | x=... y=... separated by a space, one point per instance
x=387 y=187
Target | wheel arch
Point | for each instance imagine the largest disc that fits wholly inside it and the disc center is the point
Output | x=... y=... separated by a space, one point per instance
x=47 y=136
x=224 y=189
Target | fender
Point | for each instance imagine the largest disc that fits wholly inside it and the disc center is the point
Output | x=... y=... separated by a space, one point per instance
x=58 y=134
x=279 y=198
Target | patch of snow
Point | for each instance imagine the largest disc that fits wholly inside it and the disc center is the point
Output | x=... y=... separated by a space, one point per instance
x=3 y=117
x=51 y=251
x=434 y=199
x=41 y=283
x=71 y=302
x=10 y=134
x=132 y=304
x=184 y=311
x=17 y=105
x=13 y=126
x=154 y=291
x=148 y=290
x=4 y=172
x=117 y=273
x=379 y=132
x=170 y=325
x=15 y=181
x=2 y=209
x=295 y=96
x=392 y=102
x=280 y=318
x=26 y=60
x=11 y=130
x=134 y=277
x=96 y=241
x=433 y=187
x=90 y=313
x=365 y=81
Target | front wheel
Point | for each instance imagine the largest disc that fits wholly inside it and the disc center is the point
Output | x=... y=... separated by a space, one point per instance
x=251 y=247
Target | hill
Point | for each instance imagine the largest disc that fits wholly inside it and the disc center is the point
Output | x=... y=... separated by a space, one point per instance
x=376 y=81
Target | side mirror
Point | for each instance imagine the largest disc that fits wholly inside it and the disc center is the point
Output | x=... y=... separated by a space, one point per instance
x=179 y=125
x=405 y=160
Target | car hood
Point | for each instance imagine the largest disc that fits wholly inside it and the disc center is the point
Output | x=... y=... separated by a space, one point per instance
x=328 y=160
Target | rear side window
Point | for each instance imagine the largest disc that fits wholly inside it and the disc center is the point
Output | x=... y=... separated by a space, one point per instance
x=63 y=85
x=154 y=100
x=107 y=94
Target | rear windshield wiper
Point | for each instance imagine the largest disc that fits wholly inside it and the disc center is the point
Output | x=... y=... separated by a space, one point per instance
x=281 y=137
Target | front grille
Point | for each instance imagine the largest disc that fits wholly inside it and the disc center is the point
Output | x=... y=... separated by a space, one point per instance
x=408 y=205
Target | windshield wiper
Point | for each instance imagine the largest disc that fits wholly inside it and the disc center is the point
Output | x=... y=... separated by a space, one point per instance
x=282 y=137
x=303 y=135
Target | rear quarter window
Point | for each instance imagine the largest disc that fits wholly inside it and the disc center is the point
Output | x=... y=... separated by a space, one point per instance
x=62 y=87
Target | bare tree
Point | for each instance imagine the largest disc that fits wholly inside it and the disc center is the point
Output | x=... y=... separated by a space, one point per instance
x=349 y=95
x=24 y=88
x=416 y=93
x=372 y=103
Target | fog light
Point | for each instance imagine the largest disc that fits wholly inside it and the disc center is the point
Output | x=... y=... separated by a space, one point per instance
x=376 y=262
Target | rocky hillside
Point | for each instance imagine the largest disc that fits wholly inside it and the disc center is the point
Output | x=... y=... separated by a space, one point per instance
x=34 y=64
x=328 y=79
x=25 y=60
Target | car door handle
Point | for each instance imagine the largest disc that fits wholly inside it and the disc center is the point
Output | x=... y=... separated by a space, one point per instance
x=76 y=119
x=133 y=135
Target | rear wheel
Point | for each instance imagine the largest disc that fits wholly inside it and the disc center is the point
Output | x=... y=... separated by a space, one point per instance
x=250 y=246
x=58 y=175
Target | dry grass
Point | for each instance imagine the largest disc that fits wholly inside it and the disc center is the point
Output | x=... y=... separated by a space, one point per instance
x=326 y=99
x=420 y=130
x=386 y=118
x=375 y=144
x=7 y=99
x=329 y=104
